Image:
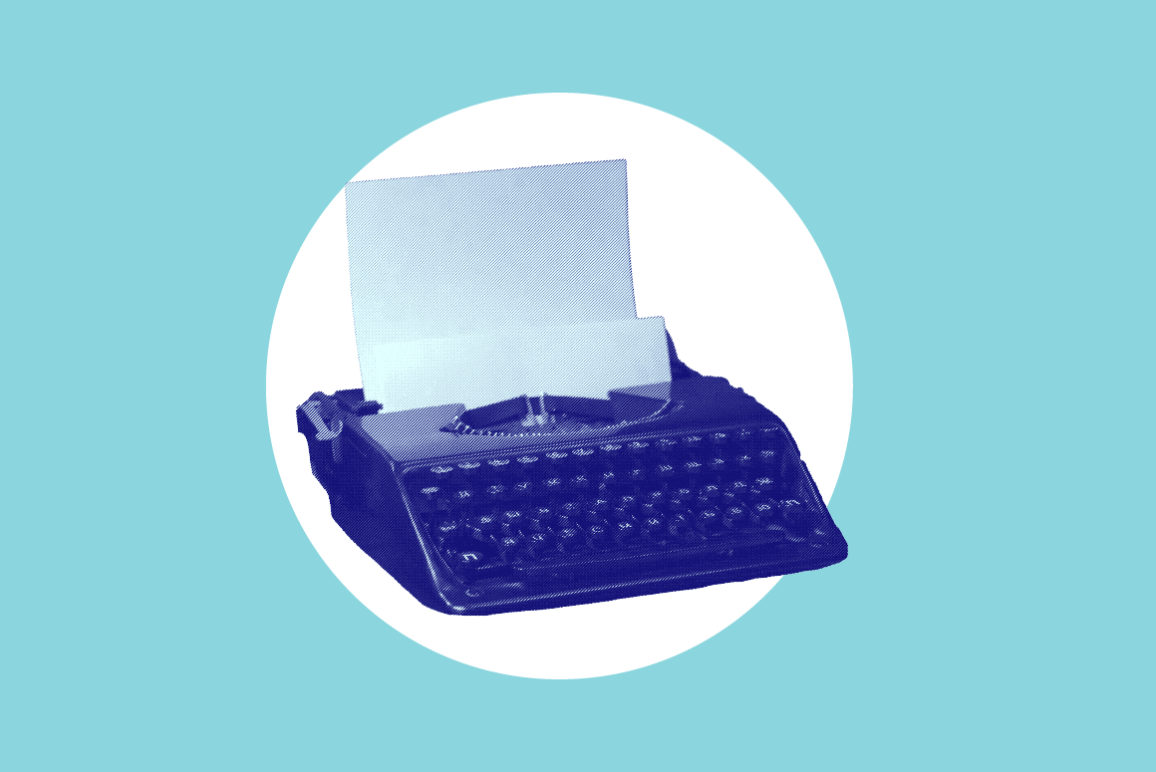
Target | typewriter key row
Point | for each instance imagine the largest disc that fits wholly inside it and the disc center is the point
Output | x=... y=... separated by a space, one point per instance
x=515 y=538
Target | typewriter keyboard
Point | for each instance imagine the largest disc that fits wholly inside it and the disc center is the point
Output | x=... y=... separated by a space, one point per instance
x=572 y=510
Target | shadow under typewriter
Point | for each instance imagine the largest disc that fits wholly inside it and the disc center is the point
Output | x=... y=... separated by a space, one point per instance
x=555 y=501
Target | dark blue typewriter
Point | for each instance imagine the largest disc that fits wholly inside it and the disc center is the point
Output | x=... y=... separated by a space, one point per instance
x=545 y=500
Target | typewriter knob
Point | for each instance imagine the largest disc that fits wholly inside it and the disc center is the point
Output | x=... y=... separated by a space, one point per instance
x=665 y=445
x=692 y=469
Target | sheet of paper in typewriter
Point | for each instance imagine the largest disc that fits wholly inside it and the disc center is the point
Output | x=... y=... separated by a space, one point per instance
x=482 y=286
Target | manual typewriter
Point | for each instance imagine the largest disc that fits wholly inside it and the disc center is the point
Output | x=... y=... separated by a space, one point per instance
x=543 y=500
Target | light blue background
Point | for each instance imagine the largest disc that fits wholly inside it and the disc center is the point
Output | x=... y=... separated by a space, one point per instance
x=979 y=180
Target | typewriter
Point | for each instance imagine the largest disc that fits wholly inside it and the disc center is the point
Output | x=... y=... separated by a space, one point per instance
x=542 y=500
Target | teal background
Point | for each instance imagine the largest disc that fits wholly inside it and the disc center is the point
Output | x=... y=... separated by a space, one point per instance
x=978 y=178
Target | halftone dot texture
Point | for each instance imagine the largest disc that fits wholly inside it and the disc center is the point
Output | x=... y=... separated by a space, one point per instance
x=526 y=270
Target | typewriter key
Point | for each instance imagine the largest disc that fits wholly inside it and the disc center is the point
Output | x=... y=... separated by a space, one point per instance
x=498 y=467
x=598 y=536
x=765 y=512
x=470 y=561
x=539 y=545
x=512 y=522
x=708 y=521
x=654 y=526
x=691 y=442
x=609 y=454
x=734 y=517
x=568 y=539
x=680 y=528
x=736 y=492
x=627 y=503
x=625 y=532
x=582 y=457
x=579 y=484
x=509 y=546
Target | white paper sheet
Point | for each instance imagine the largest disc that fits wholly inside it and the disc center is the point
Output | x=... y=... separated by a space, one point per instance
x=482 y=286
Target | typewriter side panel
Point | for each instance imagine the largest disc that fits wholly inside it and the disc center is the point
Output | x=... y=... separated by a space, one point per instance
x=367 y=502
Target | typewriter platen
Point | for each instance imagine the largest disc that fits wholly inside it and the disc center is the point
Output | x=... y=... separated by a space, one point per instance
x=544 y=500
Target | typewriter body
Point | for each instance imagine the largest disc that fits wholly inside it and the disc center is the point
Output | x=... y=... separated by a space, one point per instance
x=702 y=488
x=653 y=478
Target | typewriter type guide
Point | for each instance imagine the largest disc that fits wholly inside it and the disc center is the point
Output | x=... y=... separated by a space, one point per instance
x=661 y=480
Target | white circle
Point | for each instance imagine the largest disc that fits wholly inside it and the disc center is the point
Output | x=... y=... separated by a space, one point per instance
x=715 y=249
